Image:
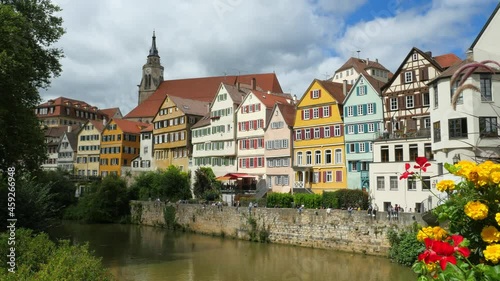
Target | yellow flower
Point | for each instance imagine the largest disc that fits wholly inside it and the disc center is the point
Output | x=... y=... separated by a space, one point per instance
x=490 y=234
x=476 y=210
x=495 y=177
x=435 y=232
x=497 y=218
x=445 y=185
x=492 y=253
x=431 y=267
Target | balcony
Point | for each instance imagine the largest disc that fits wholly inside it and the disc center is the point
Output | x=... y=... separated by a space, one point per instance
x=400 y=134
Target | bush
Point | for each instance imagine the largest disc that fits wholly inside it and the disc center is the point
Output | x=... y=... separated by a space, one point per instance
x=330 y=200
x=280 y=200
x=352 y=197
x=405 y=247
x=168 y=185
x=310 y=201
x=38 y=258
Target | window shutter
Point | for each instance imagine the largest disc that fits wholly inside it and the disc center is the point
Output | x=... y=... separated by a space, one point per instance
x=247 y=142
x=349 y=168
x=358 y=166
x=302 y=114
x=374 y=108
x=364 y=109
x=418 y=100
x=262 y=123
x=311 y=132
x=366 y=90
x=365 y=126
x=311 y=94
x=324 y=176
x=258 y=107
x=255 y=161
x=320 y=112
x=319 y=176
x=319 y=93
x=310 y=113
x=388 y=104
x=255 y=143
x=341 y=130
x=356 y=147
x=247 y=125
x=401 y=102
x=402 y=78
x=248 y=163
x=240 y=163
x=357 y=91
x=239 y=126
x=321 y=132
x=330 y=111
x=295 y=135
x=355 y=110
x=241 y=145
x=254 y=124
x=355 y=129
x=413 y=77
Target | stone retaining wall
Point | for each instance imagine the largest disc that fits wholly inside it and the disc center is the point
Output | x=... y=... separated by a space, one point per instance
x=338 y=230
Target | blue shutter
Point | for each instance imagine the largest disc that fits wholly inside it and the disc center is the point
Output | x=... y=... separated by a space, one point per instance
x=366 y=90
x=356 y=147
x=358 y=166
x=355 y=110
x=374 y=108
x=355 y=129
x=366 y=127
x=349 y=164
x=357 y=91
x=364 y=109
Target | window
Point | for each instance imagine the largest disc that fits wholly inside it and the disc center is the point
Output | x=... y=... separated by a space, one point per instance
x=306 y=114
x=384 y=153
x=398 y=152
x=460 y=99
x=370 y=108
x=326 y=131
x=362 y=89
x=408 y=77
x=316 y=133
x=317 y=157
x=426 y=99
x=485 y=81
x=394 y=103
x=393 y=182
x=353 y=165
x=380 y=183
x=436 y=96
x=328 y=156
x=350 y=111
x=350 y=129
x=427 y=122
x=437 y=131
x=338 y=156
x=315 y=94
x=326 y=111
x=409 y=102
x=428 y=151
x=415 y=56
x=457 y=128
x=361 y=147
x=307 y=134
x=488 y=126
x=351 y=147
x=329 y=176
x=361 y=128
x=336 y=131
x=315 y=177
x=299 y=158
x=308 y=158
x=413 y=152
x=426 y=183
x=316 y=113
x=360 y=109
x=412 y=184
x=298 y=134
x=371 y=127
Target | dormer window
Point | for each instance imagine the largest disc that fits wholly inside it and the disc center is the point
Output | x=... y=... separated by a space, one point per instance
x=315 y=94
x=415 y=56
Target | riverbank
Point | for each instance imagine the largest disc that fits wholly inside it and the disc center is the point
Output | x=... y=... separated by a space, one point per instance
x=356 y=232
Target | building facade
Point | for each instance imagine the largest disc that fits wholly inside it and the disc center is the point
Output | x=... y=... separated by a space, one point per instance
x=363 y=122
x=89 y=148
x=66 y=112
x=318 y=146
x=353 y=67
x=152 y=73
x=145 y=161
x=67 y=149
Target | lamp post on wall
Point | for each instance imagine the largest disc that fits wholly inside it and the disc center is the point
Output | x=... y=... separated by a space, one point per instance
x=456 y=158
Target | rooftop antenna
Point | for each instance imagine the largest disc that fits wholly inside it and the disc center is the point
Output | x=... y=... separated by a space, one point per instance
x=358 y=53
x=326 y=75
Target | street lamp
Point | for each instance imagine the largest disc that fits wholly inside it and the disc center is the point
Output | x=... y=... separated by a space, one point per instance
x=456 y=158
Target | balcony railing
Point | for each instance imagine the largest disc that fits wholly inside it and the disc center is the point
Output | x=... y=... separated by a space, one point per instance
x=400 y=134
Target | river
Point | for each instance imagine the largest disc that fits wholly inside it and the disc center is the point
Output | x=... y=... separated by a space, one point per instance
x=142 y=253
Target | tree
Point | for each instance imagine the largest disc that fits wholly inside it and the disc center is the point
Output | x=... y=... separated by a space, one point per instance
x=27 y=63
x=205 y=182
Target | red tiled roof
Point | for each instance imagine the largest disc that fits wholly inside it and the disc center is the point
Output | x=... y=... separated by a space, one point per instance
x=447 y=60
x=130 y=126
x=191 y=107
x=270 y=99
x=360 y=65
x=335 y=89
x=203 y=89
x=149 y=128
x=110 y=112
x=98 y=125
x=288 y=111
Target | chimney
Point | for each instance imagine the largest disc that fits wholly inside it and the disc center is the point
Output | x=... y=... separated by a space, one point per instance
x=367 y=61
x=429 y=53
x=252 y=84
x=344 y=88
x=69 y=129
x=376 y=60
x=238 y=85
x=104 y=121
x=469 y=55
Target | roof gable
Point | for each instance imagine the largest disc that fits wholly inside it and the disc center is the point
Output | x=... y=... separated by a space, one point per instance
x=485 y=26
x=127 y=126
x=374 y=84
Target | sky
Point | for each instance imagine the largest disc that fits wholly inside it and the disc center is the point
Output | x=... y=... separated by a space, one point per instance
x=107 y=42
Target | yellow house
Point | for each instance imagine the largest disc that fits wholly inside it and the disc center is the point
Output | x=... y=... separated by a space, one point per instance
x=89 y=148
x=120 y=143
x=172 y=131
x=318 y=146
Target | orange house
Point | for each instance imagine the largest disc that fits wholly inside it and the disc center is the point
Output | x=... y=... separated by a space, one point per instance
x=120 y=143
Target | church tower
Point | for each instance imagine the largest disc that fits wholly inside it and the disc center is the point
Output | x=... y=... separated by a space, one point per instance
x=152 y=73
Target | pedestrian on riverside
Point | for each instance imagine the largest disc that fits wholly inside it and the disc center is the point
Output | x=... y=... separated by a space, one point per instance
x=375 y=210
x=250 y=208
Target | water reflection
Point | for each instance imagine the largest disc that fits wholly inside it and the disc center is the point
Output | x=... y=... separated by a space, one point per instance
x=146 y=253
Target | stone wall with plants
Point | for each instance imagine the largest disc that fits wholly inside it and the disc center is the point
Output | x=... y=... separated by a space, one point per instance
x=356 y=232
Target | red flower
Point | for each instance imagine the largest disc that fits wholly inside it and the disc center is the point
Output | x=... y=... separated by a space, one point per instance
x=406 y=174
x=422 y=163
x=438 y=251
x=457 y=240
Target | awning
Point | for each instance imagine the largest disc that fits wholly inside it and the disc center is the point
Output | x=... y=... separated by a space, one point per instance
x=223 y=178
x=234 y=176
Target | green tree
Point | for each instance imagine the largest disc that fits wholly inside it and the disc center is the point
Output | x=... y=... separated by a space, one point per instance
x=173 y=184
x=28 y=61
x=204 y=182
x=38 y=258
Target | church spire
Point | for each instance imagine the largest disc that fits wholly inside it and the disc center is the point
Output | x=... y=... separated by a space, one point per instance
x=153 y=51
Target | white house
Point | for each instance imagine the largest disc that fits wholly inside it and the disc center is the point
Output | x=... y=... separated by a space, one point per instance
x=145 y=161
x=67 y=149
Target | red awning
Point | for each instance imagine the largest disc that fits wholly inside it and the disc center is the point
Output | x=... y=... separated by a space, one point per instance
x=233 y=176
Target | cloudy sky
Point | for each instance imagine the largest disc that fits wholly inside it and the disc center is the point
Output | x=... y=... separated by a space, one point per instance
x=107 y=42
